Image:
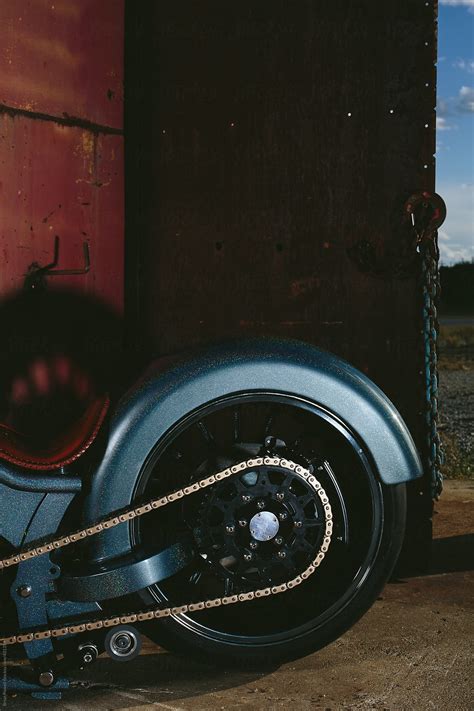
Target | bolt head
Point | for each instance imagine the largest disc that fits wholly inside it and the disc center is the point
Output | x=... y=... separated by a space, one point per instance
x=253 y=545
x=281 y=554
x=242 y=523
x=246 y=498
x=283 y=516
x=247 y=557
x=230 y=529
x=24 y=591
x=278 y=541
x=261 y=504
x=298 y=524
x=280 y=496
x=46 y=678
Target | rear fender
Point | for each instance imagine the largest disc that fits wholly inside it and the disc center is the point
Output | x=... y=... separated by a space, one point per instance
x=161 y=399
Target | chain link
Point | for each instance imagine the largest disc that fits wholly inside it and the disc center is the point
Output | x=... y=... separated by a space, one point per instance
x=431 y=292
x=428 y=212
x=129 y=514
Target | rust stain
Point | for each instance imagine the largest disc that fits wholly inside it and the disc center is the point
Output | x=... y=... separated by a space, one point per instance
x=304 y=286
x=88 y=151
x=48 y=48
x=70 y=10
x=45 y=219
x=60 y=122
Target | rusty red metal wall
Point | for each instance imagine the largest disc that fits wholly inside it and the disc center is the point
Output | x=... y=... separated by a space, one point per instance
x=61 y=140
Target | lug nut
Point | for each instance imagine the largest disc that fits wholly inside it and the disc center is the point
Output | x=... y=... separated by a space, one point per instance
x=283 y=516
x=230 y=529
x=281 y=554
x=280 y=496
x=247 y=557
x=242 y=523
x=261 y=504
x=246 y=498
x=298 y=524
x=278 y=540
x=253 y=545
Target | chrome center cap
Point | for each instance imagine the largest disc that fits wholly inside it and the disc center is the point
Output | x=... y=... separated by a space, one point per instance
x=264 y=526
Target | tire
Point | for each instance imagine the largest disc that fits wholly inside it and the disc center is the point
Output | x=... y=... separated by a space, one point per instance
x=368 y=517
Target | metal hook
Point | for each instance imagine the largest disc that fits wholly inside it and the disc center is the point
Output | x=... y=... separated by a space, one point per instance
x=50 y=271
x=35 y=279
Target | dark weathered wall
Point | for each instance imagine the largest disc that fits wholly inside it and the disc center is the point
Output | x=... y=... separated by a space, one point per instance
x=61 y=142
x=266 y=139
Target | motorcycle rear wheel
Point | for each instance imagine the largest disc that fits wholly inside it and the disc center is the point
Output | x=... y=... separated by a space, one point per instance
x=369 y=523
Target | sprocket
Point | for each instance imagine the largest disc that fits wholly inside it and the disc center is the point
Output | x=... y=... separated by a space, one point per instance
x=259 y=528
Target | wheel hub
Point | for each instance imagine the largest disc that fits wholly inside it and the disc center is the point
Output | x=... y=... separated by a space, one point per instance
x=261 y=527
x=264 y=526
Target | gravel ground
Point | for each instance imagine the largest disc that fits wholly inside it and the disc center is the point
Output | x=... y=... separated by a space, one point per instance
x=456 y=394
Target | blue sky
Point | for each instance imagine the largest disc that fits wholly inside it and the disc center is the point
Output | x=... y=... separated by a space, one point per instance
x=455 y=128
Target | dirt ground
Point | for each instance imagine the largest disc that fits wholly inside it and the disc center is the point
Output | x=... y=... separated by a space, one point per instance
x=412 y=650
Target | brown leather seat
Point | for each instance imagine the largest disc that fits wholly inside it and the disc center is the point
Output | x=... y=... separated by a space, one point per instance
x=16 y=449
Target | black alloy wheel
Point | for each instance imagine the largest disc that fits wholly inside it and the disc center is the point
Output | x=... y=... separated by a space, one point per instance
x=237 y=550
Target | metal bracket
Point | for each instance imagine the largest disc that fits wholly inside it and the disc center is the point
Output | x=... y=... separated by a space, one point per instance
x=36 y=277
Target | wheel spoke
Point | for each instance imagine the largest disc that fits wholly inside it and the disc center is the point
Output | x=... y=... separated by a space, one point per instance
x=206 y=434
x=195 y=577
x=313 y=523
x=305 y=499
x=236 y=422
x=229 y=586
x=269 y=421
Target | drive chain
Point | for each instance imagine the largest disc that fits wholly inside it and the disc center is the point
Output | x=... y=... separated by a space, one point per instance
x=131 y=513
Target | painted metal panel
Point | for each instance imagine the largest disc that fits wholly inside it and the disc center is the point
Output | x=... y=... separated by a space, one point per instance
x=63 y=58
x=65 y=181
x=282 y=135
x=61 y=142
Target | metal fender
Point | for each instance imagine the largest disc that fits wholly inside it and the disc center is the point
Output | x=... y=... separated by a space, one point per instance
x=161 y=399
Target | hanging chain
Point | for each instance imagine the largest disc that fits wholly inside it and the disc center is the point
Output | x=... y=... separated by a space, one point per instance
x=131 y=513
x=428 y=212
